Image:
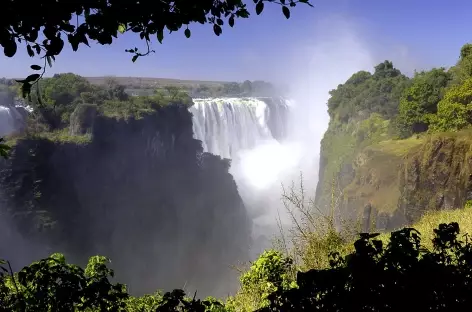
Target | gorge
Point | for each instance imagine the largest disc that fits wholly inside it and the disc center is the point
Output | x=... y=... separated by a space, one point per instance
x=144 y=192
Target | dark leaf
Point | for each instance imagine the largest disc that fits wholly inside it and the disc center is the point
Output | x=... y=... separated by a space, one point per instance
x=187 y=33
x=259 y=7
x=68 y=27
x=30 y=50
x=49 y=60
x=25 y=89
x=160 y=35
x=217 y=29
x=9 y=48
x=82 y=38
x=231 y=21
x=135 y=58
x=32 y=77
x=74 y=42
x=36 y=67
x=286 y=12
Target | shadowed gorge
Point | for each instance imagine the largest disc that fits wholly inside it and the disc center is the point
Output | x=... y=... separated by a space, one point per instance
x=142 y=192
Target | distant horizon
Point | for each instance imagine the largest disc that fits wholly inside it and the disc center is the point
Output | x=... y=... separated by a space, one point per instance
x=147 y=78
x=270 y=48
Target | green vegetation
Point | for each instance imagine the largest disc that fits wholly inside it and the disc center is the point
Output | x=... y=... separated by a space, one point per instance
x=454 y=111
x=66 y=105
x=365 y=93
x=403 y=116
x=420 y=100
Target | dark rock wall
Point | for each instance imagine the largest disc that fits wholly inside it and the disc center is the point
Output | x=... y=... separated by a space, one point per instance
x=142 y=193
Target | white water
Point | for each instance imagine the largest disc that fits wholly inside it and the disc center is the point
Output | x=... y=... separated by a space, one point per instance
x=239 y=129
x=227 y=126
x=11 y=118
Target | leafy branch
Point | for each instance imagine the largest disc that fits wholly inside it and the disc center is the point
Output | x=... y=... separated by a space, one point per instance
x=103 y=21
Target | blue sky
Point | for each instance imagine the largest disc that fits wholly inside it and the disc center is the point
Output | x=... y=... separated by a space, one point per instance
x=413 y=33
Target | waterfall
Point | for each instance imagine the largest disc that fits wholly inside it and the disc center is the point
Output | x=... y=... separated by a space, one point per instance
x=252 y=132
x=226 y=126
x=12 y=118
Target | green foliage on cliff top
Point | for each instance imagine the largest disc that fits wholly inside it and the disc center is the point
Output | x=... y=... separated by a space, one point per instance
x=365 y=93
x=455 y=109
x=431 y=96
x=420 y=100
x=384 y=107
x=58 y=98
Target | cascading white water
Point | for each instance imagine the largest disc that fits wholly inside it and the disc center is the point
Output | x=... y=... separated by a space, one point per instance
x=227 y=126
x=236 y=127
x=12 y=118
x=251 y=132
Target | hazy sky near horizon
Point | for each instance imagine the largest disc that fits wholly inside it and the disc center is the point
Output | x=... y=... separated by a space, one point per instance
x=413 y=34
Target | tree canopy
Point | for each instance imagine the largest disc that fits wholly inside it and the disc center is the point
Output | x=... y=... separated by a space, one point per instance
x=420 y=99
x=366 y=93
x=81 y=22
x=434 y=100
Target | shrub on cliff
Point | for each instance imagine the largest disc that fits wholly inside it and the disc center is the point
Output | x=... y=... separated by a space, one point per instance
x=270 y=272
x=82 y=119
x=365 y=93
x=56 y=98
x=463 y=68
x=455 y=109
x=421 y=99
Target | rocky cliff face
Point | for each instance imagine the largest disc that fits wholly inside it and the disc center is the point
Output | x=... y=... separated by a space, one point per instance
x=391 y=183
x=141 y=192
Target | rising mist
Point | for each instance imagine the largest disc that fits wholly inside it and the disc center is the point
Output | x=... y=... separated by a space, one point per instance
x=262 y=172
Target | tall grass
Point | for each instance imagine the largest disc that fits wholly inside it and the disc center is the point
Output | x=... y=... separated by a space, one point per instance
x=314 y=233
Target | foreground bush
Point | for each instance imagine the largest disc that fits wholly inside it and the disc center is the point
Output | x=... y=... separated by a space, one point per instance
x=402 y=276
x=53 y=285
